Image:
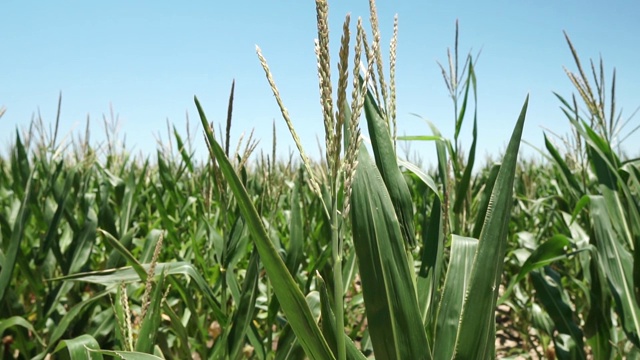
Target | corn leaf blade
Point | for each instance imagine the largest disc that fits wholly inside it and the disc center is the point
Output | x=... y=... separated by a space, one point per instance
x=548 y=286
x=391 y=304
x=289 y=295
x=246 y=307
x=477 y=321
x=78 y=348
x=618 y=265
x=455 y=286
x=387 y=163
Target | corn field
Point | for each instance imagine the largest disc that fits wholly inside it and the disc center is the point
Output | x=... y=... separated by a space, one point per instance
x=360 y=254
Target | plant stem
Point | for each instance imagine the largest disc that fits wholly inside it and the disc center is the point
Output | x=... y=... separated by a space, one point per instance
x=337 y=276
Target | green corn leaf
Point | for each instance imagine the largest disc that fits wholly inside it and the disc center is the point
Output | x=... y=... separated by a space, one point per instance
x=618 y=266
x=288 y=347
x=452 y=301
x=54 y=225
x=463 y=109
x=329 y=325
x=289 y=295
x=134 y=188
x=232 y=285
x=551 y=250
x=391 y=304
x=22 y=322
x=83 y=242
x=124 y=252
x=235 y=247
x=246 y=307
x=426 y=178
x=568 y=176
x=71 y=316
x=485 y=198
x=554 y=249
x=126 y=355
x=443 y=164
x=541 y=320
x=120 y=253
x=584 y=201
x=17 y=234
x=349 y=270
x=428 y=280
x=127 y=274
x=421 y=138
x=182 y=149
x=179 y=330
x=549 y=291
x=598 y=323
x=68 y=319
x=477 y=323
x=296 y=235
x=78 y=348
x=462 y=188
x=20 y=167
x=622 y=205
x=386 y=161
x=106 y=211
x=149 y=247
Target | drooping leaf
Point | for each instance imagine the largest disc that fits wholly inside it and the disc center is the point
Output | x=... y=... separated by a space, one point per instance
x=78 y=348
x=22 y=322
x=551 y=250
x=128 y=274
x=549 y=289
x=126 y=355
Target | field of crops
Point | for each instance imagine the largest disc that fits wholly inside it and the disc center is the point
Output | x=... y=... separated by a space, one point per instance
x=363 y=254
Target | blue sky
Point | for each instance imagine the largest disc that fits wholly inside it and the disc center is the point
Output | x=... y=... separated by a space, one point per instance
x=147 y=59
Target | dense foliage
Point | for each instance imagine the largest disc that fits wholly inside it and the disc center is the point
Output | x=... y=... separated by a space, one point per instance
x=243 y=256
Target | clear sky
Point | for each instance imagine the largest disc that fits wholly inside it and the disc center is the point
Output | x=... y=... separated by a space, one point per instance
x=147 y=59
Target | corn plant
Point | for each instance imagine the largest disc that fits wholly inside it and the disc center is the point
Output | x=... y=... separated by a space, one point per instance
x=379 y=204
x=360 y=254
x=79 y=233
x=583 y=263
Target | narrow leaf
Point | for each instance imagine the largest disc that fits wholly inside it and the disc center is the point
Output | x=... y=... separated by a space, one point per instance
x=289 y=295
x=385 y=156
x=477 y=323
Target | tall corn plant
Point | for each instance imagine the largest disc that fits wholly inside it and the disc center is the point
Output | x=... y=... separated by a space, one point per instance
x=376 y=196
x=594 y=224
x=73 y=215
x=602 y=189
x=454 y=170
x=340 y=121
